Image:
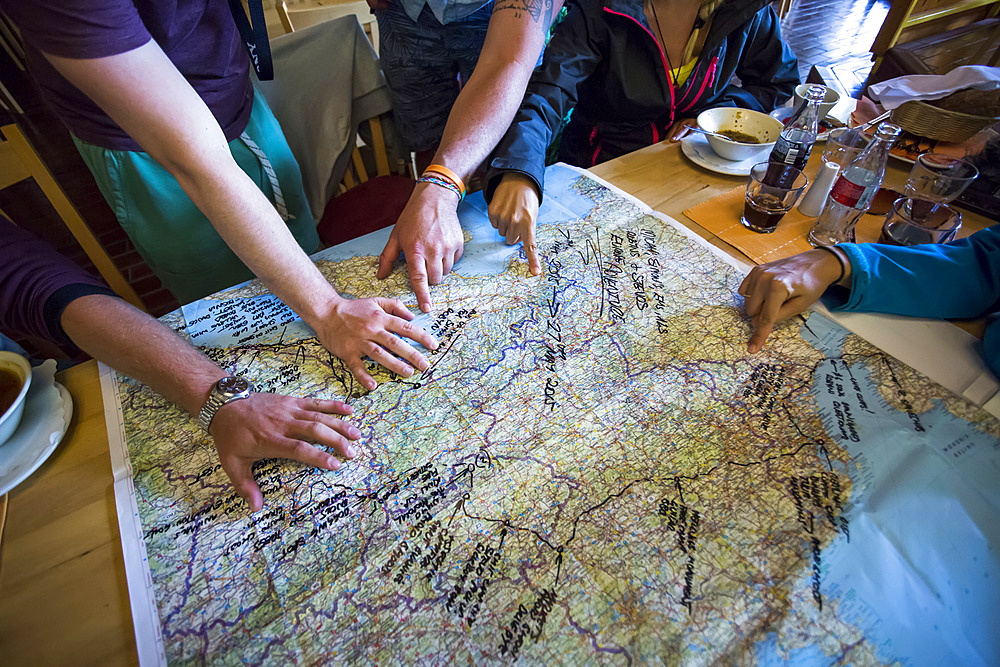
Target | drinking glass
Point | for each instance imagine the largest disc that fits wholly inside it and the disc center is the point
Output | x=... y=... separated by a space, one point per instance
x=938 y=178
x=766 y=204
x=937 y=223
x=843 y=145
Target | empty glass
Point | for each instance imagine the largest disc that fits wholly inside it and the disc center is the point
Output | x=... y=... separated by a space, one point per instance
x=939 y=178
x=937 y=223
x=843 y=145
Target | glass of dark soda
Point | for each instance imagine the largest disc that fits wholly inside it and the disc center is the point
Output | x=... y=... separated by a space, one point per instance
x=766 y=204
x=913 y=221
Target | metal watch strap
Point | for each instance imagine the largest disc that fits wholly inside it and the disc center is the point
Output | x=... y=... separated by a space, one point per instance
x=216 y=399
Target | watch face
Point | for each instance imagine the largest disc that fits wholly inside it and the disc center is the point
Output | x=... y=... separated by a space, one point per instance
x=233 y=385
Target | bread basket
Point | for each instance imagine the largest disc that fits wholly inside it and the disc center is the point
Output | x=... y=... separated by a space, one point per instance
x=922 y=119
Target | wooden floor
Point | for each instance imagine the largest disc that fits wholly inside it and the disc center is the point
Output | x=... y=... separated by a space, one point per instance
x=832 y=33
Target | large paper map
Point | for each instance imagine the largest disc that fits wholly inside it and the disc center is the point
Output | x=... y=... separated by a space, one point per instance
x=593 y=470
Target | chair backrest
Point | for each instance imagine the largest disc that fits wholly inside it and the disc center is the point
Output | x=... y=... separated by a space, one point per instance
x=912 y=19
x=296 y=19
x=359 y=171
x=303 y=17
x=18 y=161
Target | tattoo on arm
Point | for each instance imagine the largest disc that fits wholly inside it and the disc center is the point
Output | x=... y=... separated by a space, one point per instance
x=540 y=11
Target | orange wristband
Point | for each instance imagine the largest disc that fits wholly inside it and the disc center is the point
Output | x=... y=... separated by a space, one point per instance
x=441 y=170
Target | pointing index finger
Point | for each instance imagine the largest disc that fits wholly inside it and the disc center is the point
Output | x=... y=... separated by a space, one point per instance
x=531 y=250
x=418 y=280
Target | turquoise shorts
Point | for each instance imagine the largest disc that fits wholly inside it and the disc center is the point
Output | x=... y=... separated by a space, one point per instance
x=170 y=233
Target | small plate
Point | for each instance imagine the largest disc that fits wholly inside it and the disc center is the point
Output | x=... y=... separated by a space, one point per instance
x=782 y=114
x=696 y=147
x=48 y=409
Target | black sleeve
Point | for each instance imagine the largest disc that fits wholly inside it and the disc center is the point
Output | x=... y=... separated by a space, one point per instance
x=571 y=56
x=768 y=70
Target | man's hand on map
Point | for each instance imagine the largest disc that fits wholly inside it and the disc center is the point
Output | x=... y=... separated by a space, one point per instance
x=429 y=235
x=785 y=287
x=356 y=328
x=513 y=213
x=275 y=426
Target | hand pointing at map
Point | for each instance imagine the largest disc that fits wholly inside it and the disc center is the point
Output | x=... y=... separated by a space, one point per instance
x=275 y=426
x=429 y=235
x=513 y=212
x=785 y=287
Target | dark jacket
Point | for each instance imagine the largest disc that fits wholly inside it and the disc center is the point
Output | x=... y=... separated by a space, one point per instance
x=604 y=64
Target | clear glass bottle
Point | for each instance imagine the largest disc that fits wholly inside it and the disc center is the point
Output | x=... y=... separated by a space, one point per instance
x=854 y=190
x=796 y=141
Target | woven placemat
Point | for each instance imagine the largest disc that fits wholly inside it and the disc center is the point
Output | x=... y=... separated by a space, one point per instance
x=721 y=216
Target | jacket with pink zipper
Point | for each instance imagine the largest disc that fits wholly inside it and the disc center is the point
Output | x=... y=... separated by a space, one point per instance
x=605 y=66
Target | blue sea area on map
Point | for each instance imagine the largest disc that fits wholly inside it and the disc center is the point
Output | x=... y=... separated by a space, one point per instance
x=766 y=652
x=917 y=575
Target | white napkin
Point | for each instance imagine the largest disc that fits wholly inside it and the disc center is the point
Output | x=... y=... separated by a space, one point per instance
x=894 y=92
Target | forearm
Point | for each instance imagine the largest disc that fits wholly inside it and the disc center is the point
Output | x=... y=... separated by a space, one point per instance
x=486 y=105
x=141 y=347
x=252 y=228
x=960 y=279
x=142 y=92
x=481 y=115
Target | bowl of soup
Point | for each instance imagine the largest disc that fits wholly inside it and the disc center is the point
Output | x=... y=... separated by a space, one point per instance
x=15 y=378
x=747 y=133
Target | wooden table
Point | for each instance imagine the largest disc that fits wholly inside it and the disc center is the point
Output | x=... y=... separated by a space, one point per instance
x=63 y=595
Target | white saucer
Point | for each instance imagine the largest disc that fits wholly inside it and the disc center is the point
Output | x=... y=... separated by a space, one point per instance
x=696 y=147
x=48 y=409
x=782 y=114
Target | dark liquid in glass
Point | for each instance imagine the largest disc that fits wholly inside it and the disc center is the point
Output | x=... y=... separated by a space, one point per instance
x=885 y=238
x=763 y=213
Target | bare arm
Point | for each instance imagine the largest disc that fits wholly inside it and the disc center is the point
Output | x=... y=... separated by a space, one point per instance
x=487 y=103
x=427 y=231
x=144 y=93
x=262 y=426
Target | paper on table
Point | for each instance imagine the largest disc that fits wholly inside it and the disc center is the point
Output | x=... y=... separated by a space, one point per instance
x=936 y=348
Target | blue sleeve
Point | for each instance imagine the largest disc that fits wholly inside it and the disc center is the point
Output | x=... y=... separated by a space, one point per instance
x=952 y=280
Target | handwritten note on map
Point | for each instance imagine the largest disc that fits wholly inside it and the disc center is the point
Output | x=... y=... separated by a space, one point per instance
x=593 y=470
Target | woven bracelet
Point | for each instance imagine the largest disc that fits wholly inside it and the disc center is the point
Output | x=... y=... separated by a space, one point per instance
x=443 y=182
x=447 y=174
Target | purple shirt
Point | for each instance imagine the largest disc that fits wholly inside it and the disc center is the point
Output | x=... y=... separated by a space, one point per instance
x=199 y=37
x=36 y=285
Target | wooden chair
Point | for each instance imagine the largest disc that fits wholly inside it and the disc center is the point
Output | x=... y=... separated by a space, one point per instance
x=296 y=19
x=913 y=19
x=303 y=17
x=18 y=161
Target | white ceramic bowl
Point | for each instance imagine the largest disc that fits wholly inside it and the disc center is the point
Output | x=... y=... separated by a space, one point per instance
x=12 y=417
x=829 y=100
x=754 y=123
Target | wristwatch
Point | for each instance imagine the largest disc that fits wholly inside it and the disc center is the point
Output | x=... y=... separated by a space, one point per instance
x=226 y=390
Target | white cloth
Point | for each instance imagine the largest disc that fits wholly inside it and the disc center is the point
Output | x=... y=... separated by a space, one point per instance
x=894 y=92
x=326 y=81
